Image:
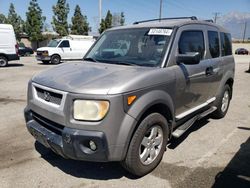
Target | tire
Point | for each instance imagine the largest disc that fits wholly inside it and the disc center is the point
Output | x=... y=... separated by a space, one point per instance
x=3 y=61
x=27 y=54
x=137 y=163
x=45 y=62
x=55 y=59
x=223 y=103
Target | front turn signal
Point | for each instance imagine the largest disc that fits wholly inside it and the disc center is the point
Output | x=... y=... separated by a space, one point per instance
x=131 y=99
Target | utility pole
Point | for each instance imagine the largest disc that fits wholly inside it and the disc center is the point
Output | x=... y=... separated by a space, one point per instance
x=160 y=14
x=100 y=11
x=244 y=33
x=216 y=16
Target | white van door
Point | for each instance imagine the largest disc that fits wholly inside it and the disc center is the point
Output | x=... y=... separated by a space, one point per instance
x=65 y=49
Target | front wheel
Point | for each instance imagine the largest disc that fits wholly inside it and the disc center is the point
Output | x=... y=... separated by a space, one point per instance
x=147 y=145
x=223 y=103
x=55 y=59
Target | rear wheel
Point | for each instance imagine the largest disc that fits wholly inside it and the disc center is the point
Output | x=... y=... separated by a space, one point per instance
x=3 y=61
x=147 y=145
x=223 y=103
x=55 y=59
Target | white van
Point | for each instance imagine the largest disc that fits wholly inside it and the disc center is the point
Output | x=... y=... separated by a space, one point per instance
x=67 y=48
x=8 y=45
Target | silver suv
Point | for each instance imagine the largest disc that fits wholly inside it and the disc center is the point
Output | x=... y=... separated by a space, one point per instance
x=138 y=86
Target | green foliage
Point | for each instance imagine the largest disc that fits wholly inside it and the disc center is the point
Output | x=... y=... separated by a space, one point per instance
x=122 y=19
x=16 y=21
x=106 y=23
x=34 y=21
x=80 y=26
x=59 y=22
x=3 y=19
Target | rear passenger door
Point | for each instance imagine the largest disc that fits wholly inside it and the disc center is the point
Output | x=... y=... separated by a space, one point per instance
x=215 y=60
x=192 y=87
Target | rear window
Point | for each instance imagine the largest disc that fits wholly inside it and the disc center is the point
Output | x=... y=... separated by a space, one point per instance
x=226 y=44
x=191 y=41
x=214 y=46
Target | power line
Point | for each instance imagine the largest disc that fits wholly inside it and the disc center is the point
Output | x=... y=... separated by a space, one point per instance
x=216 y=16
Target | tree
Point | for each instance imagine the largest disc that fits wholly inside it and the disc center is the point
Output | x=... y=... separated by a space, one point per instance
x=59 y=22
x=80 y=26
x=15 y=20
x=34 y=22
x=3 y=19
x=106 y=23
x=122 y=19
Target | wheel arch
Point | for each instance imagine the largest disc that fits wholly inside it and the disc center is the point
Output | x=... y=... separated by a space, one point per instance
x=161 y=104
x=4 y=55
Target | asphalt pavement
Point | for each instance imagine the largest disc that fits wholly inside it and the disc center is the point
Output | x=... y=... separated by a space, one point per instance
x=213 y=153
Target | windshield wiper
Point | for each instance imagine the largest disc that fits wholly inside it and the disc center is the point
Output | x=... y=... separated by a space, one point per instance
x=90 y=59
x=123 y=63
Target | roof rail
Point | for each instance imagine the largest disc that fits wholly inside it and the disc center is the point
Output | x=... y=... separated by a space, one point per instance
x=160 y=19
x=209 y=21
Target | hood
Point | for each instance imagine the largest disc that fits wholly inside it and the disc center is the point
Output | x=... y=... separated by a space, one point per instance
x=43 y=48
x=96 y=78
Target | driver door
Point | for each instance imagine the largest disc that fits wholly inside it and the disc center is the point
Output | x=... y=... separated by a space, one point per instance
x=65 y=50
x=192 y=89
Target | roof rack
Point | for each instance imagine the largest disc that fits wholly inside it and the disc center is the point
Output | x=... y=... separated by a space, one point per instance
x=160 y=19
x=209 y=21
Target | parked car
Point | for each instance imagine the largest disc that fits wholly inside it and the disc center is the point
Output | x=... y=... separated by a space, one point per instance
x=8 y=45
x=64 y=49
x=24 y=51
x=242 y=51
x=126 y=106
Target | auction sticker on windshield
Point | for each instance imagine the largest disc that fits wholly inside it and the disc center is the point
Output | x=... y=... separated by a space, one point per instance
x=156 y=31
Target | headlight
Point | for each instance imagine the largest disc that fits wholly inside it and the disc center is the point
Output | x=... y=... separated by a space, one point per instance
x=45 y=53
x=90 y=110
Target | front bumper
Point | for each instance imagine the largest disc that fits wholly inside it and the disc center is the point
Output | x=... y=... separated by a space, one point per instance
x=42 y=58
x=67 y=142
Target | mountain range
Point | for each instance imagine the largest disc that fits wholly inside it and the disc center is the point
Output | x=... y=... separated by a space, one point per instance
x=235 y=23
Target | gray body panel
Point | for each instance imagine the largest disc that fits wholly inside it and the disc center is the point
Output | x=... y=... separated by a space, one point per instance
x=178 y=87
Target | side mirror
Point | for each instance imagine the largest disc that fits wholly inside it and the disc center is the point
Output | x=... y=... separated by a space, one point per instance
x=190 y=58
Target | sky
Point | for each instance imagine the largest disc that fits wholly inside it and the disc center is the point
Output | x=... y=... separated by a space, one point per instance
x=135 y=9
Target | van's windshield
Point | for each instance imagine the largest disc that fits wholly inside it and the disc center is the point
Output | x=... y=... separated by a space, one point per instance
x=142 y=47
x=53 y=43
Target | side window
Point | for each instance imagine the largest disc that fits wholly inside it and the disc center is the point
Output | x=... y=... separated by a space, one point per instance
x=226 y=44
x=64 y=44
x=191 y=41
x=214 y=47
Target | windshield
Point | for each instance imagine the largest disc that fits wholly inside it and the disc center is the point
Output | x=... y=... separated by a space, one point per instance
x=53 y=43
x=142 y=47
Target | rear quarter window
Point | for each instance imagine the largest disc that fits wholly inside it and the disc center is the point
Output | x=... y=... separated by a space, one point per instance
x=214 y=46
x=226 y=44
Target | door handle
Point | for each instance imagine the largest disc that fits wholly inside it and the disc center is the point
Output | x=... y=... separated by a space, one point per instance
x=209 y=71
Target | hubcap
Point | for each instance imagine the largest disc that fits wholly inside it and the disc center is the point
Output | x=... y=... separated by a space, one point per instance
x=56 y=60
x=151 y=145
x=2 y=62
x=225 y=101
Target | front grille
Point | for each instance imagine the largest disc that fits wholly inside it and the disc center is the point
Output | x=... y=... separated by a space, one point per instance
x=48 y=124
x=49 y=96
x=39 y=53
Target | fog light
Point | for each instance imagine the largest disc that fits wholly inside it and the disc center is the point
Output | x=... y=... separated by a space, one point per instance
x=67 y=138
x=92 y=145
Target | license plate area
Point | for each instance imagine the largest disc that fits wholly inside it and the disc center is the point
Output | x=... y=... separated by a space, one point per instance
x=40 y=137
